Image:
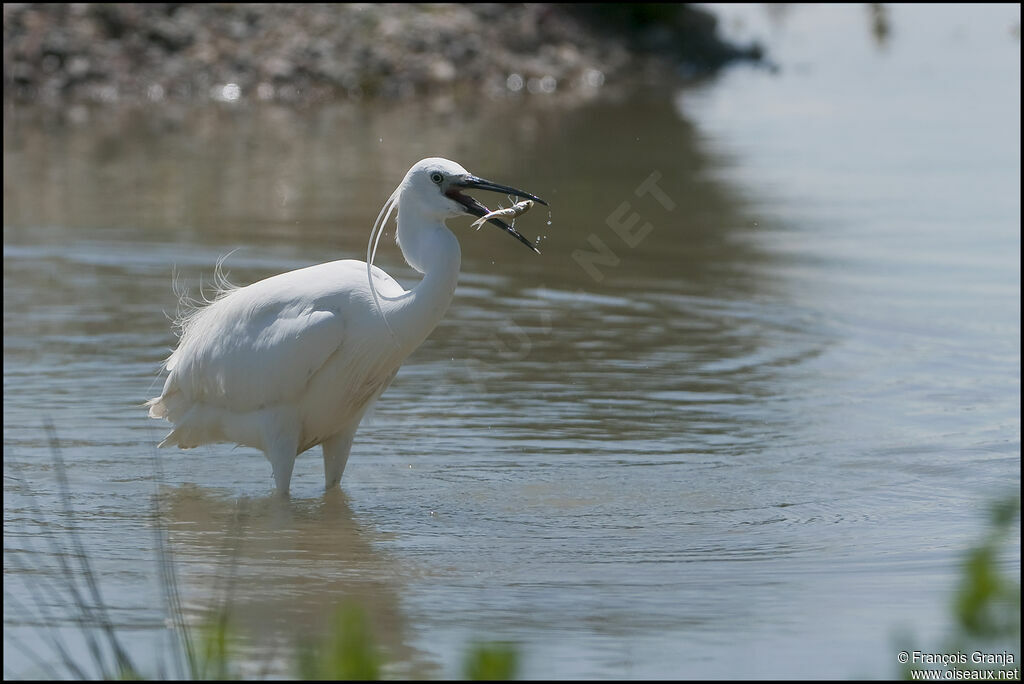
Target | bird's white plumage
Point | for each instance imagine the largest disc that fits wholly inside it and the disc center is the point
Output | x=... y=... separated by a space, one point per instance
x=259 y=347
x=296 y=360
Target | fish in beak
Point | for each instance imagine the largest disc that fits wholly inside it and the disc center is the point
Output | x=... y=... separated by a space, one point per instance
x=474 y=208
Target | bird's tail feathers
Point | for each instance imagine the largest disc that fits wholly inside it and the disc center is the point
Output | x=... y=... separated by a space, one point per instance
x=157 y=408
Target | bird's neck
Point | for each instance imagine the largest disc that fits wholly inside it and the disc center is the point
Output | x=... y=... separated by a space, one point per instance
x=430 y=248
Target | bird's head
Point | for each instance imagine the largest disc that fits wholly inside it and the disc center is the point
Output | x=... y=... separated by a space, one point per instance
x=437 y=187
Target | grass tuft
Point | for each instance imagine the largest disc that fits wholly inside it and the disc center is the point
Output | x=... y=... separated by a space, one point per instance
x=491 y=661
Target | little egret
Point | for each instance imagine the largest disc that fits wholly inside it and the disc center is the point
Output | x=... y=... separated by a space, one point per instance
x=296 y=360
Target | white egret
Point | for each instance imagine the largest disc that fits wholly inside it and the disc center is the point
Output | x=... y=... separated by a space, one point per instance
x=296 y=360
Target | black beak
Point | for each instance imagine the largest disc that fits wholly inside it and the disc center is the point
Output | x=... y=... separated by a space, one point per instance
x=474 y=207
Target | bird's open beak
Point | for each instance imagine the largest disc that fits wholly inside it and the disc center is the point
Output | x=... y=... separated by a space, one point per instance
x=474 y=207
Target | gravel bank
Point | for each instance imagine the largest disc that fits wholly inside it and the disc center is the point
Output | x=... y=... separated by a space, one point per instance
x=301 y=53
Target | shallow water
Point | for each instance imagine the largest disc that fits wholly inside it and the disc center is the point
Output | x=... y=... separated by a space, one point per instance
x=753 y=442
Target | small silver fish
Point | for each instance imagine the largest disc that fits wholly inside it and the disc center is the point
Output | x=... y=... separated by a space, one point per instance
x=517 y=209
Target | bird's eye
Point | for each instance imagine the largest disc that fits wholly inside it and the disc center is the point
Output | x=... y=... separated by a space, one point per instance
x=436 y=177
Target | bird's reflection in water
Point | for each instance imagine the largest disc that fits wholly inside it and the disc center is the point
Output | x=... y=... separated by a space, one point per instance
x=282 y=569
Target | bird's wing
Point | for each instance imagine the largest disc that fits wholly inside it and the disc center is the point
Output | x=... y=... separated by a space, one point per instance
x=260 y=345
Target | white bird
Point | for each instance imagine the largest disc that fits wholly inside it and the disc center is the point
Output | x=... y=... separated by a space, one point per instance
x=296 y=360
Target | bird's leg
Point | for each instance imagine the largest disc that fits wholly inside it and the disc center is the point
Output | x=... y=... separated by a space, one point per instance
x=281 y=449
x=336 y=450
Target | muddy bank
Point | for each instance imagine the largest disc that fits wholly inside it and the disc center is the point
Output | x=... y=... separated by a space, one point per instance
x=305 y=53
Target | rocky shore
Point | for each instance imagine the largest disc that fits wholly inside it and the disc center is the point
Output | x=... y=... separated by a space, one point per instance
x=60 y=53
